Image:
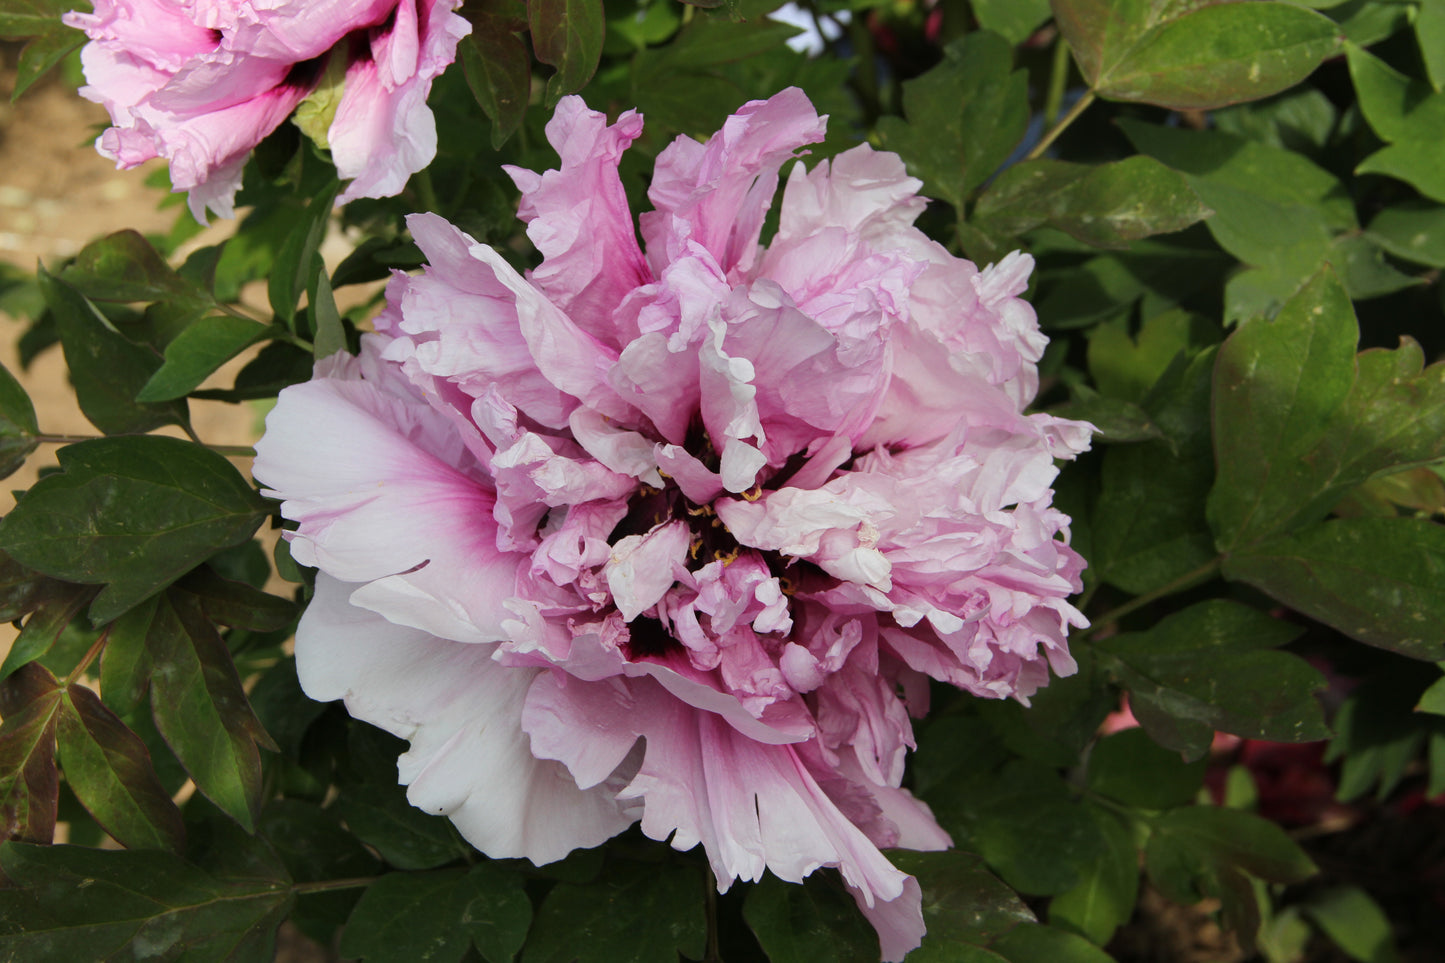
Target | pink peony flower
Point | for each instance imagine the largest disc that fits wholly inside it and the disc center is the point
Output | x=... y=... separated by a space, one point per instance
x=680 y=533
x=202 y=82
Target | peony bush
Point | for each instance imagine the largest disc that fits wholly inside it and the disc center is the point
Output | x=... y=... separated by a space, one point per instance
x=884 y=482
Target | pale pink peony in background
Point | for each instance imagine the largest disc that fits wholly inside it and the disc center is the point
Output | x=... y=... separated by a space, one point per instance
x=202 y=82
x=680 y=534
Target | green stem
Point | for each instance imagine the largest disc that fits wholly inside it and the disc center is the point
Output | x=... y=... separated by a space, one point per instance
x=1058 y=81
x=713 y=954
x=328 y=885
x=1187 y=580
x=90 y=656
x=427 y=190
x=1079 y=107
x=237 y=451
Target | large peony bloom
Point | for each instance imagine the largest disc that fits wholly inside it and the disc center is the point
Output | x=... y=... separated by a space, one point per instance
x=202 y=82
x=682 y=535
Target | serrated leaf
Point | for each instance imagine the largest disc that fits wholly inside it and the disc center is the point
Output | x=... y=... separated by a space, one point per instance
x=18 y=426
x=499 y=73
x=567 y=35
x=1378 y=580
x=202 y=710
x=965 y=117
x=1103 y=900
x=1130 y=767
x=147 y=900
x=109 y=769
x=1104 y=205
x=29 y=780
x=133 y=514
x=963 y=903
x=802 y=923
x=198 y=351
x=107 y=370
x=1210 y=666
x=642 y=914
x=1191 y=55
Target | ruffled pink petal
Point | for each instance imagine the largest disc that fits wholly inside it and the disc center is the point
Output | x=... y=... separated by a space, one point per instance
x=577 y=216
x=469 y=758
x=718 y=194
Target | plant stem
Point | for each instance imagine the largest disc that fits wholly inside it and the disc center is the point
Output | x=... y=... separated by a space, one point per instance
x=713 y=954
x=1058 y=81
x=1079 y=107
x=237 y=451
x=327 y=885
x=1187 y=580
x=90 y=657
x=236 y=311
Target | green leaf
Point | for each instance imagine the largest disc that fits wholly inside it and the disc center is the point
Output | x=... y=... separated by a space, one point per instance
x=637 y=914
x=1114 y=420
x=803 y=922
x=236 y=604
x=1032 y=943
x=107 y=370
x=1104 y=205
x=1149 y=519
x=1277 y=386
x=1210 y=666
x=125 y=663
x=315 y=848
x=1128 y=367
x=408 y=918
x=1366 y=274
x=88 y=904
x=330 y=332
x=298 y=261
x=1408 y=115
x=1014 y=20
x=18 y=426
x=499 y=73
x=1186 y=54
x=497 y=912
x=1105 y=895
x=202 y=710
x=133 y=513
x=965 y=117
x=44 y=626
x=42 y=53
x=567 y=35
x=29 y=780
x=1355 y=923
x=109 y=769
x=124 y=266
x=1131 y=768
x=198 y=351
x=21 y=590
x=1430 y=32
x=1239 y=839
x=1297 y=120
x=1414 y=230
x=963 y=903
x=1031 y=830
x=1378 y=580
x=1434 y=698
x=1377 y=735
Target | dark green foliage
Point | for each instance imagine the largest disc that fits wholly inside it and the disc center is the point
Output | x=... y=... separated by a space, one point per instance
x=1237 y=213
